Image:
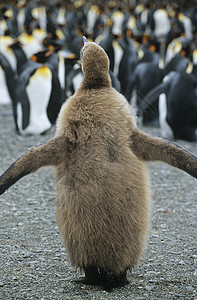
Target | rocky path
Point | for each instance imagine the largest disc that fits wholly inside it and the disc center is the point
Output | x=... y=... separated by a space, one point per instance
x=34 y=264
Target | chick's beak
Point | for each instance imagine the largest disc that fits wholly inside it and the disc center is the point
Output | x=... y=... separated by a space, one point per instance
x=85 y=41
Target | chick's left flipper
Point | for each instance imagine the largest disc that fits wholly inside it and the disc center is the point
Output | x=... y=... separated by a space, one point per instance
x=43 y=155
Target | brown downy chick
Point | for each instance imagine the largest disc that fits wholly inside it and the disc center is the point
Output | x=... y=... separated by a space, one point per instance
x=103 y=197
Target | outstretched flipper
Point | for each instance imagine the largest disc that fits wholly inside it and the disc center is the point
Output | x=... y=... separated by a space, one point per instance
x=149 y=148
x=149 y=99
x=49 y=153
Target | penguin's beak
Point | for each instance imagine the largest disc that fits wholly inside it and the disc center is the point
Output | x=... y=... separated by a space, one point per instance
x=85 y=41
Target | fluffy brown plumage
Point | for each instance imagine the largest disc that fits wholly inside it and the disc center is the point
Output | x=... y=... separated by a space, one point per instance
x=105 y=220
x=103 y=197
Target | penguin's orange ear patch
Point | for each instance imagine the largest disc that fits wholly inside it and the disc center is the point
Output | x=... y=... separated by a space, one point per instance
x=34 y=58
x=51 y=47
x=183 y=52
x=71 y=56
x=152 y=48
x=48 y=53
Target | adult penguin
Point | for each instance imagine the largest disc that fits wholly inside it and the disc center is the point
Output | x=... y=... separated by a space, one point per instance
x=147 y=76
x=103 y=199
x=30 y=44
x=38 y=94
x=107 y=44
x=127 y=63
x=177 y=117
x=5 y=42
x=21 y=58
x=7 y=81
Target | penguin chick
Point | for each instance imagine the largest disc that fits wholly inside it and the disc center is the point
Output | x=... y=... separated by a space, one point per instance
x=99 y=155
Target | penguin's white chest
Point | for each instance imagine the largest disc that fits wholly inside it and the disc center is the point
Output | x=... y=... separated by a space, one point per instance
x=4 y=94
x=118 y=54
x=38 y=92
x=166 y=130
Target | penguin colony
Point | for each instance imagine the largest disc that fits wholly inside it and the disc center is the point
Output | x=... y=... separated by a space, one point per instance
x=144 y=42
x=99 y=155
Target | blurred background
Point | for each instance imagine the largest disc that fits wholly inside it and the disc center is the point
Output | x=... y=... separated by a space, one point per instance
x=152 y=46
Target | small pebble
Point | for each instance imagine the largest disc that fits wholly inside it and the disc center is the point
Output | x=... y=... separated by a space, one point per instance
x=189 y=288
x=149 y=287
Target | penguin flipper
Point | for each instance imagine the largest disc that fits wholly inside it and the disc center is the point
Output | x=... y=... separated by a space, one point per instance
x=150 y=148
x=47 y=154
x=149 y=99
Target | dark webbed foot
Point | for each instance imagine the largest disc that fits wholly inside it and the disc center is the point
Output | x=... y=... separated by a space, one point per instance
x=110 y=280
x=107 y=280
x=92 y=277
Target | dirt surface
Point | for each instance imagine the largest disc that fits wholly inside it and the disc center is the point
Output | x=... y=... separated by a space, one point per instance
x=34 y=264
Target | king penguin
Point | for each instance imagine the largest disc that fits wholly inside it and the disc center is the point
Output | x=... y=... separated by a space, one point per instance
x=7 y=81
x=38 y=94
x=103 y=196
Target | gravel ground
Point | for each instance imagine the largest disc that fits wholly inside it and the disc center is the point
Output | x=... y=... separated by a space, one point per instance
x=34 y=264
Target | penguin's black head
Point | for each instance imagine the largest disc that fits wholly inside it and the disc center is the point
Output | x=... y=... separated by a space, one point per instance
x=95 y=65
